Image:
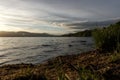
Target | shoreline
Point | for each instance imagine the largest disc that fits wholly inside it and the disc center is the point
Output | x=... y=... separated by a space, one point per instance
x=102 y=66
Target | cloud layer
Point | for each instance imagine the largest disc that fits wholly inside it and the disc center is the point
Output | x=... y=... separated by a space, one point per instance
x=54 y=16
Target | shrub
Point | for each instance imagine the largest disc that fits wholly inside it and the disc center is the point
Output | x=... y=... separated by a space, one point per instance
x=108 y=39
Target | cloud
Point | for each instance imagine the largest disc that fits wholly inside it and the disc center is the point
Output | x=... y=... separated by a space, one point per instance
x=56 y=15
x=92 y=25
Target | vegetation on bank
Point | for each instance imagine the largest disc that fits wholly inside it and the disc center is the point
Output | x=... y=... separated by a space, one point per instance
x=108 y=39
x=86 y=66
x=100 y=64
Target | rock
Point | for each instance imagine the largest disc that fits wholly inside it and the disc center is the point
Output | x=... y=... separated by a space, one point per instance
x=70 y=45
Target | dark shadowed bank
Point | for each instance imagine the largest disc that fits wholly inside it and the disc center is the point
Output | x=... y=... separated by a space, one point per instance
x=92 y=65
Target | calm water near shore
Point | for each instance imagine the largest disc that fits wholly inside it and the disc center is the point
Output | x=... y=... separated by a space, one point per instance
x=38 y=49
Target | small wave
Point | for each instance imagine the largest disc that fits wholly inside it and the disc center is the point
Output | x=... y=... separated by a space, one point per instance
x=36 y=47
x=4 y=62
x=2 y=55
x=40 y=46
x=47 y=51
x=14 y=48
x=5 y=49
x=20 y=47
x=46 y=45
x=10 y=61
x=81 y=41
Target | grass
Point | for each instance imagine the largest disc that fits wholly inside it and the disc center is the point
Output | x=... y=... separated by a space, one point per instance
x=115 y=57
x=86 y=66
x=85 y=74
x=25 y=74
x=108 y=39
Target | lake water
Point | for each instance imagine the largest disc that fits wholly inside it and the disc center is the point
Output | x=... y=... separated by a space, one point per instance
x=39 y=49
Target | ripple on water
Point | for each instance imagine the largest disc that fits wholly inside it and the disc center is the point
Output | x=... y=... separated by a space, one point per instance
x=36 y=50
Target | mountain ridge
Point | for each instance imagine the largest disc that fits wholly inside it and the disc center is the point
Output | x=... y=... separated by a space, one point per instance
x=24 y=34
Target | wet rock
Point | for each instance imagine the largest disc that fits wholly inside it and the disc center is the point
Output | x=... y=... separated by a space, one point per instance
x=83 y=41
x=70 y=45
x=45 y=45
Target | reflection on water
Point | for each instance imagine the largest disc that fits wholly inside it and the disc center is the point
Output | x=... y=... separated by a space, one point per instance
x=38 y=49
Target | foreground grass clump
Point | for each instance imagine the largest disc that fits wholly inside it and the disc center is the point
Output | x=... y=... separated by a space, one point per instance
x=20 y=72
x=108 y=39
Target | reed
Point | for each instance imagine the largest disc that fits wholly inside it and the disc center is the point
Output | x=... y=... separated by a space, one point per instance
x=108 y=39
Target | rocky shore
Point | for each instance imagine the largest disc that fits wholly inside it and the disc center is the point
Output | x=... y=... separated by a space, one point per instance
x=92 y=65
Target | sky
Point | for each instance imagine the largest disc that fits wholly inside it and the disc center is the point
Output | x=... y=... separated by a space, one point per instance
x=54 y=16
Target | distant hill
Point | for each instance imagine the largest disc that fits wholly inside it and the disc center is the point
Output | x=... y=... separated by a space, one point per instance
x=86 y=33
x=23 y=34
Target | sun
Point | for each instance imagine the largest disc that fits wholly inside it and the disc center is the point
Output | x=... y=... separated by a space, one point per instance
x=4 y=28
x=3 y=24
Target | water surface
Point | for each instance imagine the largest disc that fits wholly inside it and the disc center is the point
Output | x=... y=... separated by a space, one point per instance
x=38 y=49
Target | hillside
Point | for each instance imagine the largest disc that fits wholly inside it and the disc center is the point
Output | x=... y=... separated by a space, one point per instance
x=86 y=33
x=24 y=34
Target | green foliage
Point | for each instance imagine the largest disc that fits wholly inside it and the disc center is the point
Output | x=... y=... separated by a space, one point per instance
x=108 y=39
x=114 y=57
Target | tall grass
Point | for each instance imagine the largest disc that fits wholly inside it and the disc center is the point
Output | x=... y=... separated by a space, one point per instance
x=85 y=74
x=108 y=39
